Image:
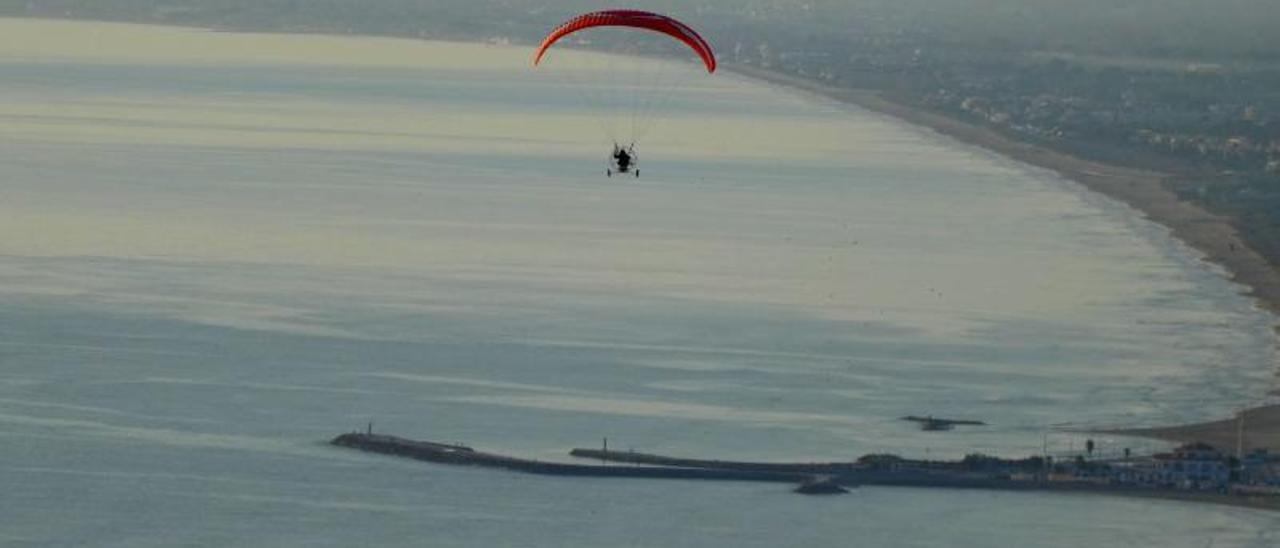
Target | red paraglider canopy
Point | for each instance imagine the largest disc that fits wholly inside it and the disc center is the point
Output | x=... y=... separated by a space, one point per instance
x=636 y=19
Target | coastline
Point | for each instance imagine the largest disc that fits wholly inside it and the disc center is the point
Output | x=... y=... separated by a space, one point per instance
x=1143 y=190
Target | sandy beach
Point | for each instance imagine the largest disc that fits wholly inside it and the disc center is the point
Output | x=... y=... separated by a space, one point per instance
x=1144 y=191
x=1260 y=429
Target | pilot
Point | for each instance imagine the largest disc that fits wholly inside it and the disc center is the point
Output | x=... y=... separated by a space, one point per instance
x=622 y=158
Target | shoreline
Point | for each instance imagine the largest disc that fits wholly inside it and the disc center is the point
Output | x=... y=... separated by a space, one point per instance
x=1142 y=190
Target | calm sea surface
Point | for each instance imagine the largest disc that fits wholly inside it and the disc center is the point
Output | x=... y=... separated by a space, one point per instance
x=217 y=251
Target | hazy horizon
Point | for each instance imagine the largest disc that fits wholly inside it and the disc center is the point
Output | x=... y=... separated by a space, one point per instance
x=1162 y=27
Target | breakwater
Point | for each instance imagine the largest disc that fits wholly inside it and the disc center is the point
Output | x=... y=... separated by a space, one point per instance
x=641 y=465
x=632 y=457
x=901 y=474
x=465 y=456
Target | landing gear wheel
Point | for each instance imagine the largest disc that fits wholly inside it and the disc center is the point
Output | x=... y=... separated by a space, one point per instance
x=608 y=172
x=637 y=174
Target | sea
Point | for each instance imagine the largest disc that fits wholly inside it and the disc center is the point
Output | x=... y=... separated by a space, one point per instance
x=220 y=250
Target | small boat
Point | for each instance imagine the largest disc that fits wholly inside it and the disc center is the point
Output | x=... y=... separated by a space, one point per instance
x=821 y=486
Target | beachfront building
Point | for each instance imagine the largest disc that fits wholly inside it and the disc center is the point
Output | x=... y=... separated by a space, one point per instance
x=1141 y=471
x=1193 y=466
x=1260 y=468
